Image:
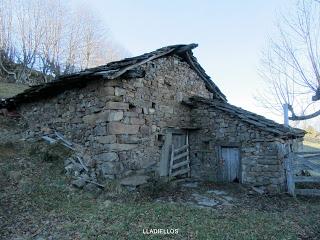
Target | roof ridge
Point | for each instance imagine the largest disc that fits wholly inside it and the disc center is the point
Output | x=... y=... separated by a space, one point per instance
x=113 y=70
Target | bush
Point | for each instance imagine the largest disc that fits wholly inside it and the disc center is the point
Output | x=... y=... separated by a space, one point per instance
x=49 y=153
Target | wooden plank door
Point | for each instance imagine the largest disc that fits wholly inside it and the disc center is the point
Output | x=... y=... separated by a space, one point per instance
x=174 y=139
x=179 y=161
x=178 y=140
x=231 y=164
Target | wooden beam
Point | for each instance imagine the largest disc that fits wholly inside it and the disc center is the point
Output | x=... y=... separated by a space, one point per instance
x=180 y=172
x=184 y=147
x=180 y=164
x=308 y=192
x=180 y=156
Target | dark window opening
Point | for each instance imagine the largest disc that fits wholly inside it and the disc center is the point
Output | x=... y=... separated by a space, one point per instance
x=160 y=138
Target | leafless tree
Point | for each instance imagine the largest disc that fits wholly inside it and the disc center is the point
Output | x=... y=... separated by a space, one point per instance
x=46 y=43
x=291 y=64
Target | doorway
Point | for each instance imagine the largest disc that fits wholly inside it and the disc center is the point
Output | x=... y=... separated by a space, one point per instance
x=230 y=164
x=175 y=153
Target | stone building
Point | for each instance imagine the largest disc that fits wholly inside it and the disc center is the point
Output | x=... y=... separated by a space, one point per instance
x=159 y=114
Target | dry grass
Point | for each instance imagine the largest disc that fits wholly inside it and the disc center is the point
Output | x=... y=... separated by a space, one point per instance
x=311 y=146
x=11 y=89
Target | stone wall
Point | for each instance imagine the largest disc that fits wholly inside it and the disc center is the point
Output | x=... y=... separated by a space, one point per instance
x=121 y=125
x=261 y=153
x=121 y=122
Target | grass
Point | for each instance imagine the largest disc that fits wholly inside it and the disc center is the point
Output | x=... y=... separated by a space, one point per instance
x=36 y=200
x=11 y=89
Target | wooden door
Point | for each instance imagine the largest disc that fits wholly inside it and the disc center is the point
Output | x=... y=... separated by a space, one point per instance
x=231 y=164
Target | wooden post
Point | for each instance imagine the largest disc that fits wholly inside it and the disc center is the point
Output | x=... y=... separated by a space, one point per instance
x=289 y=175
x=285 y=114
x=171 y=160
x=188 y=158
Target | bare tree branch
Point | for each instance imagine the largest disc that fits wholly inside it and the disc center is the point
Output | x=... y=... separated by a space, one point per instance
x=291 y=65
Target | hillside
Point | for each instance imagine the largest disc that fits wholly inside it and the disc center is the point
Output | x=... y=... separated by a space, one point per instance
x=11 y=89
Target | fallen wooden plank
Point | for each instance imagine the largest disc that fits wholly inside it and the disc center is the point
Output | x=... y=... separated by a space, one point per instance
x=304 y=179
x=63 y=139
x=49 y=139
x=308 y=192
x=180 y=156
x=180 y=164
x=180 y=172
x=98 y=184
x=82 y=164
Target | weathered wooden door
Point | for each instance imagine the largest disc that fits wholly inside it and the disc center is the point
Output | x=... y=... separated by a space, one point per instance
x=179 y=162
x=230 y=164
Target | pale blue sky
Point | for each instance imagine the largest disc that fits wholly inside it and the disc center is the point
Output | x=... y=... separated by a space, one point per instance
x=231 y=35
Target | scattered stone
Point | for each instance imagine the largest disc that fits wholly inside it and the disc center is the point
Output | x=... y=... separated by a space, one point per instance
x=204 y=201
x=190 y=185
x=79 y=183
x=217 y=192
x=134 y=181
x=107 y=157
x=109 y=168
x=228 y=198
x=93 y=188
x=260 y=190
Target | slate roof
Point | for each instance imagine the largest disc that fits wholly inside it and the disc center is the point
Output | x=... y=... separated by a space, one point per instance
x=112 y=70
x=248 y=117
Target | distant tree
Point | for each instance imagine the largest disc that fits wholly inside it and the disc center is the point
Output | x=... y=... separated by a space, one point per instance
x=312 y=132
x=291 y=64
x=47 y=38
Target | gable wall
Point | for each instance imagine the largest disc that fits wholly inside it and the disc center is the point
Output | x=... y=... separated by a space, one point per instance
x=118 y=122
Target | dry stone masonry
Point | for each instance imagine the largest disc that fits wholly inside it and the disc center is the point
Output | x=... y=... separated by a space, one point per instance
x=122 y=114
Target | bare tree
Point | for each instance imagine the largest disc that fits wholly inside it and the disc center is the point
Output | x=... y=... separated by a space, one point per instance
x=291 y=64
x=6 y=39
x=38 y=42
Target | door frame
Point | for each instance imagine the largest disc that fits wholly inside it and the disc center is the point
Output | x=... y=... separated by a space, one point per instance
x=166 y=148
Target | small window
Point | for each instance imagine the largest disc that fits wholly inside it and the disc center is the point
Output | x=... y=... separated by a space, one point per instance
x=160 y=138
